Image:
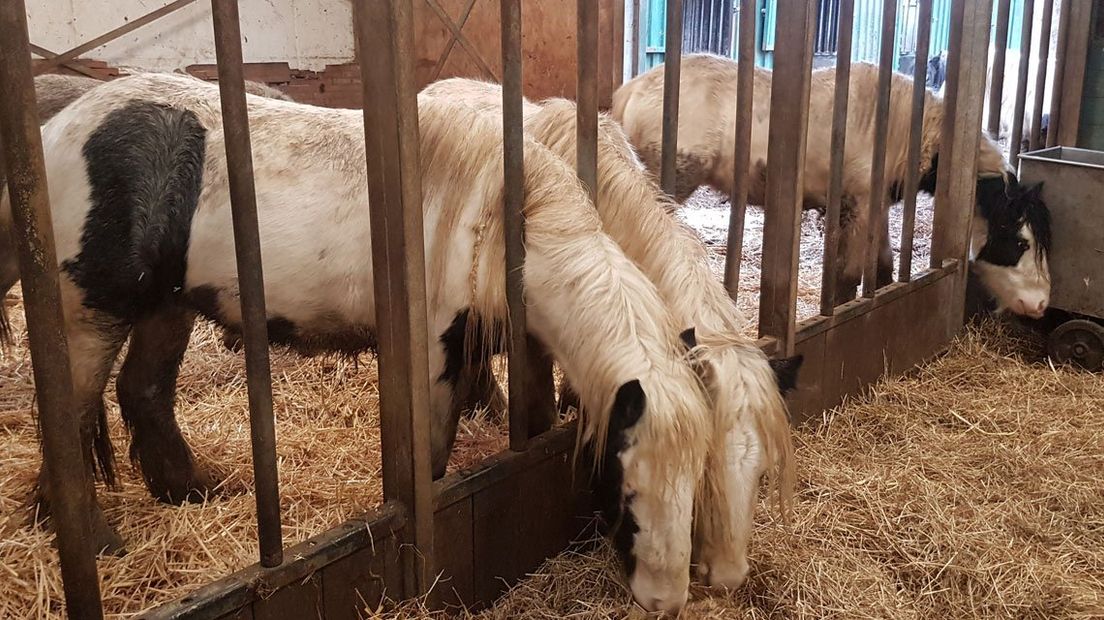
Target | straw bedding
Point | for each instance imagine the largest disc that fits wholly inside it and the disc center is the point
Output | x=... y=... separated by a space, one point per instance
x=971 y=488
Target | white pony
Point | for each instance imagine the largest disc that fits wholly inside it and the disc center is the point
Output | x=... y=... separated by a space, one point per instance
x=751 y=433
x=142 y=225
x=1010 y=220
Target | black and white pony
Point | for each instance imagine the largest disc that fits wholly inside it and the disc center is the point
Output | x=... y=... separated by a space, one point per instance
x=138 y=188
x=751 y=433
x=1010 y=217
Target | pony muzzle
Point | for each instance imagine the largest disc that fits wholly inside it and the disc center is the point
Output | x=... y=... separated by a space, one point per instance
x=659 y=591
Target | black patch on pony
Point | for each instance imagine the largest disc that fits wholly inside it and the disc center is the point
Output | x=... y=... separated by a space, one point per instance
x=628 y=407
x=785 y=372
x=1007 y=207
x=145 y=168
x=929 y=179
x=465 y=345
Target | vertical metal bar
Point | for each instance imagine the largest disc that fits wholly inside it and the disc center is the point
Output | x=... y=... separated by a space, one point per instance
x=1040 y=75
x=1026 y=23
x=672 y=68
x=247 y=246
x=839 y=145
x=878 y=192
x=398 y=261
x=33 y=236
x=637 y=29
x=586 y=112
x=916 y=130
x=513 y=150
x=1060 y=56
x=745 y=96
x=785 y=170
x=996 y=88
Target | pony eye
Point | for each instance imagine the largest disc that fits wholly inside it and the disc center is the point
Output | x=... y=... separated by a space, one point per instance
x=1023 y=245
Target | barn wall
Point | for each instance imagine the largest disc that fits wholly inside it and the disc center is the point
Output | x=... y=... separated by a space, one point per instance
x=548 y=40
x=307 y=34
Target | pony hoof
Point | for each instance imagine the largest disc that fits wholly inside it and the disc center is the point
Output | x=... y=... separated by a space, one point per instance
x=107 y=541
x=197 y=487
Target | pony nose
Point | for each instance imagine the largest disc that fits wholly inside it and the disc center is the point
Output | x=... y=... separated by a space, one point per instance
x=656 y=592
x=1032 y=308
x=670 y=605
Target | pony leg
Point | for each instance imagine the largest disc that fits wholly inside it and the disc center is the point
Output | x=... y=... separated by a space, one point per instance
x=94 y=340
x=9 y=275
x=885 y=254
x=852 y=250
x=480 y=390
x=147 y=392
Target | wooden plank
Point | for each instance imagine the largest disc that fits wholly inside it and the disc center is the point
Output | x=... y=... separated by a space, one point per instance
x=807 y=401
x=1040 y=76
x=302 y=600
x=745 y=91
x=513 y=537
x=245 y=613
x=839 y=148
x=1027 y=19
x=785 y=171
x=1073 y=71
x=455 y=553
x=878 y=195
x=361 y=581
x=996 y=89
x=398 y=262
x=916 y=128
x=1060 y=60
x=672 y=69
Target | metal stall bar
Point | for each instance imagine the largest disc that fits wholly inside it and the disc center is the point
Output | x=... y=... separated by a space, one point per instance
x=586 y=112
x=958 y=181
x=916 y=131
x=1059 y=73
x=946 y=134
x=69 y=480
x=1021 y=84
x=839 y=144
x=1040 y=76
x=247 y=247
x=793 y=58
x=996 y=89
x=878 y=194
x=745 y=92
x=637 y=28
x=672 y=68
x=386 y=35
x=531 y=389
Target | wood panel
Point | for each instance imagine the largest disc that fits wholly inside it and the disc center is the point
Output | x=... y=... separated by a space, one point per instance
x=301 y=600
x=455 y=554
x=548 y=41
x=362 y=581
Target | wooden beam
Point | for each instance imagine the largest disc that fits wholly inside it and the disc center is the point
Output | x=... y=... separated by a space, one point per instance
x=745 y=96
x=1073 y=70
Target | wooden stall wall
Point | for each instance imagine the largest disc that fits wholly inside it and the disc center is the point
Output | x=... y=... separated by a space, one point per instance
x=548 y=42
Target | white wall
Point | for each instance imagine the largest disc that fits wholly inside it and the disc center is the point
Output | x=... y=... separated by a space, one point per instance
x=307 y=34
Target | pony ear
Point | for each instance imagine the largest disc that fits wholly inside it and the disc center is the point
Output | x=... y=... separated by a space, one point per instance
x=689 y=337
x=785 y=372
x=628 y=407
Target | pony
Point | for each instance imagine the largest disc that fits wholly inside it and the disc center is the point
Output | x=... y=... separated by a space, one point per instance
x=751 y=432
x=142 y=219
x=1019 y=280
x=54 y=91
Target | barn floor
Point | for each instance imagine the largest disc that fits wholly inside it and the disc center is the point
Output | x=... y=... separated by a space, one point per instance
x=972 y=488
x=327 y=443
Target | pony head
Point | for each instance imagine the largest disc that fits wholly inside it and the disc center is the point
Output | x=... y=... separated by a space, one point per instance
x=1010 y=245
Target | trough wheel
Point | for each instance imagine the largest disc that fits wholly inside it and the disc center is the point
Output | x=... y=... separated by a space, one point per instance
x=1078 y=341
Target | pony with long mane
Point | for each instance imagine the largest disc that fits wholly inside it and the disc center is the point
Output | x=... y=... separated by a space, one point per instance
x=141 y=213
x=751 y=433
x=1019 y=282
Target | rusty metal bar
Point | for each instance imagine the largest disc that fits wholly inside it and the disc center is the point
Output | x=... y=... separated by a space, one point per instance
x=586 y=86
x=878 y=194
x=916 y=130
x=745 y=96
x=398 y=261
x=1060 y=56
x=839 y=145
x=1040 y=76
x=33 y=235
x=996 y=89
x=672 y=69
x=793 y=59
x=1021 y=85
x=247 y=246
x=110 y=36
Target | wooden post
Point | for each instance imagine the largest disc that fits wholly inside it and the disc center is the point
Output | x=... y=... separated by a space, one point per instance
x=881 y=135
x=1073 y=72
x=672 y=68
x=916 y=128
x=745 y=92
x=996 y=89
x=839 y=146
x=1040 y=76
x=1060 y=60
x=1021 y=86
x=785 y=171
x=398 y=261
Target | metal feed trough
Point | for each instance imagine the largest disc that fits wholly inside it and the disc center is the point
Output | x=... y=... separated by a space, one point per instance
x=1073 y=183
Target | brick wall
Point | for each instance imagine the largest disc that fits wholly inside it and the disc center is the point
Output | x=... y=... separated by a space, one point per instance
x=336 y=86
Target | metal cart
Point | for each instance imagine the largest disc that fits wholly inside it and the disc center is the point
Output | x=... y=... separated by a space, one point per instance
x=1073 y=188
